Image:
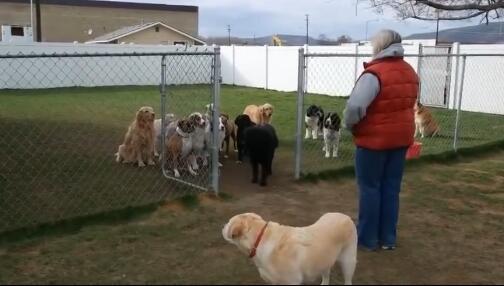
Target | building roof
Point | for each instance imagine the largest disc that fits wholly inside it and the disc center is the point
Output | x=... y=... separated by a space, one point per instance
x=113 y=4
x=125 y=31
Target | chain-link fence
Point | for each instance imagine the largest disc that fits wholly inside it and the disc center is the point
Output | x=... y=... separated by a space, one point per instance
x=461 y=94
x=76 y=131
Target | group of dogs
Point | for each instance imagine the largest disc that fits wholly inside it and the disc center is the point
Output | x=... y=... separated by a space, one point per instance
x=282 y=254
x=328 y=126
x=286 y=255
x=188 y=140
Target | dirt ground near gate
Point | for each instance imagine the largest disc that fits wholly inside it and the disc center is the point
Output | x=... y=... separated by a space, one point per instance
x=450 y=231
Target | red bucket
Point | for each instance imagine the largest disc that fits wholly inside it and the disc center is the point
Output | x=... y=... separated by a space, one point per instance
x=414 y=151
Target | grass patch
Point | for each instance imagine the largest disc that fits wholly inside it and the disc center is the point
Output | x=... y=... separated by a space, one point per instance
x=189 y=201
x=57 y=147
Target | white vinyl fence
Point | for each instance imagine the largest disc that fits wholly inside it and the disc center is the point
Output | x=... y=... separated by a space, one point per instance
x=263 y=67
x=276 y=68
x=89 y=71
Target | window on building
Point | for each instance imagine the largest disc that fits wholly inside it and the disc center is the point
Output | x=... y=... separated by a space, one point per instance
x=17 y=31
x=179 y=43
x=157 y=29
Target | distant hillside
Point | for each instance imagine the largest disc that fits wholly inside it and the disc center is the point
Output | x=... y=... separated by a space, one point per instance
x=493 y=33
x=287 y=40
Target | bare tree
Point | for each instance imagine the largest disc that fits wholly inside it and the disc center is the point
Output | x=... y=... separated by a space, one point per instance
x=344 y=39
x=442 y=9
x=323 y=37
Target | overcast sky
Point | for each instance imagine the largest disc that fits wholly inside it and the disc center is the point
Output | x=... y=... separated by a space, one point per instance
x=265 y=17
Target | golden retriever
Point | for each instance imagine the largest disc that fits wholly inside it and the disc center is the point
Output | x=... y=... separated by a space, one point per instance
x=295 y=255
x=259 y=114
x=139 y=141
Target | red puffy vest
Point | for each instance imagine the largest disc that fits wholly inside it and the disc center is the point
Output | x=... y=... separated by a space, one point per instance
x=389 y=122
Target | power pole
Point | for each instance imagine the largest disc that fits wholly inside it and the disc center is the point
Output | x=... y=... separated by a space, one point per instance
x=437 y=28
x=229 y=35
x=307 y=21
x=39 y=26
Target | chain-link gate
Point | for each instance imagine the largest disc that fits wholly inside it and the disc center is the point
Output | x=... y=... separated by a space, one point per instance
x=461 y=93
x=64 y=116
x=435 y=73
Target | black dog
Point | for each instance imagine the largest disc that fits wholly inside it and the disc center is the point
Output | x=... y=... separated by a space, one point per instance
x=242 y=123
x=261 y=142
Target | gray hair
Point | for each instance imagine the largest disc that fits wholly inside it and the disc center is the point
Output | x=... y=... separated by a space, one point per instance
x=383 y=39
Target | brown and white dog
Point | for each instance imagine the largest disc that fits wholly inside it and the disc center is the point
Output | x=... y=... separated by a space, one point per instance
x=230 y=133
x=425 y=124
x=179 y=145
x=138 y=144
x=259 y=114
x=295 y=255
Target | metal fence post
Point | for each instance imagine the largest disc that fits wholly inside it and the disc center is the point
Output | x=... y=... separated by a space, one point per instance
x=300 y=117
x=457 y=64
x=459 y=105
x=215 y=119
x=419 y=71
x=356 y=63
x=162 y=90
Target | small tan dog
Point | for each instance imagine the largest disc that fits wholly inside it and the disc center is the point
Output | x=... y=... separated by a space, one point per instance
x=425 y=124
x=296 y=255
x=138 y=142
x=231 y=129
x=259 y=114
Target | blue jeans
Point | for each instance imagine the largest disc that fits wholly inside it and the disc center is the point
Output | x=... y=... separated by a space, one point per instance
x=379 y=176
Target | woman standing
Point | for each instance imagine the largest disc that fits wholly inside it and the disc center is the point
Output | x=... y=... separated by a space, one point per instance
x=380 y=115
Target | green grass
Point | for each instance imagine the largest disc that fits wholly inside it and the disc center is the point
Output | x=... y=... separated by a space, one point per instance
x=57 y=146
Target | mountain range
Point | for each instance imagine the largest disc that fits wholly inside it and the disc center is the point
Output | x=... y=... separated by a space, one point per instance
x=491 y=33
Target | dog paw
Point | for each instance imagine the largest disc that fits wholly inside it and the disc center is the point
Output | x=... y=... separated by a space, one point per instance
x=335 y=155
x=239 y=162
x=220 y=165
x=193 y=173
x=195 y=167
x=236 y=150
x=177 y=174
x=156 y=154
x=151 y=163
x=226 y=156
x=327 y=155
x=141 y=164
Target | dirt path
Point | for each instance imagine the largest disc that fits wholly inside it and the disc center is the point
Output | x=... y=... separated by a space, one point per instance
x=450 y=232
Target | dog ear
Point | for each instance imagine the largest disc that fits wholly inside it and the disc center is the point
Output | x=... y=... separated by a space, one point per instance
x=138 y=115
x=237 y=229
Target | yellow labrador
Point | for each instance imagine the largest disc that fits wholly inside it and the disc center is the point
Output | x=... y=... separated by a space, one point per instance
x=259 y=114
x=296 y=255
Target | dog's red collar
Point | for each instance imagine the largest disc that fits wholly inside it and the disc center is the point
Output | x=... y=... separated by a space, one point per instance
x=258 y=240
